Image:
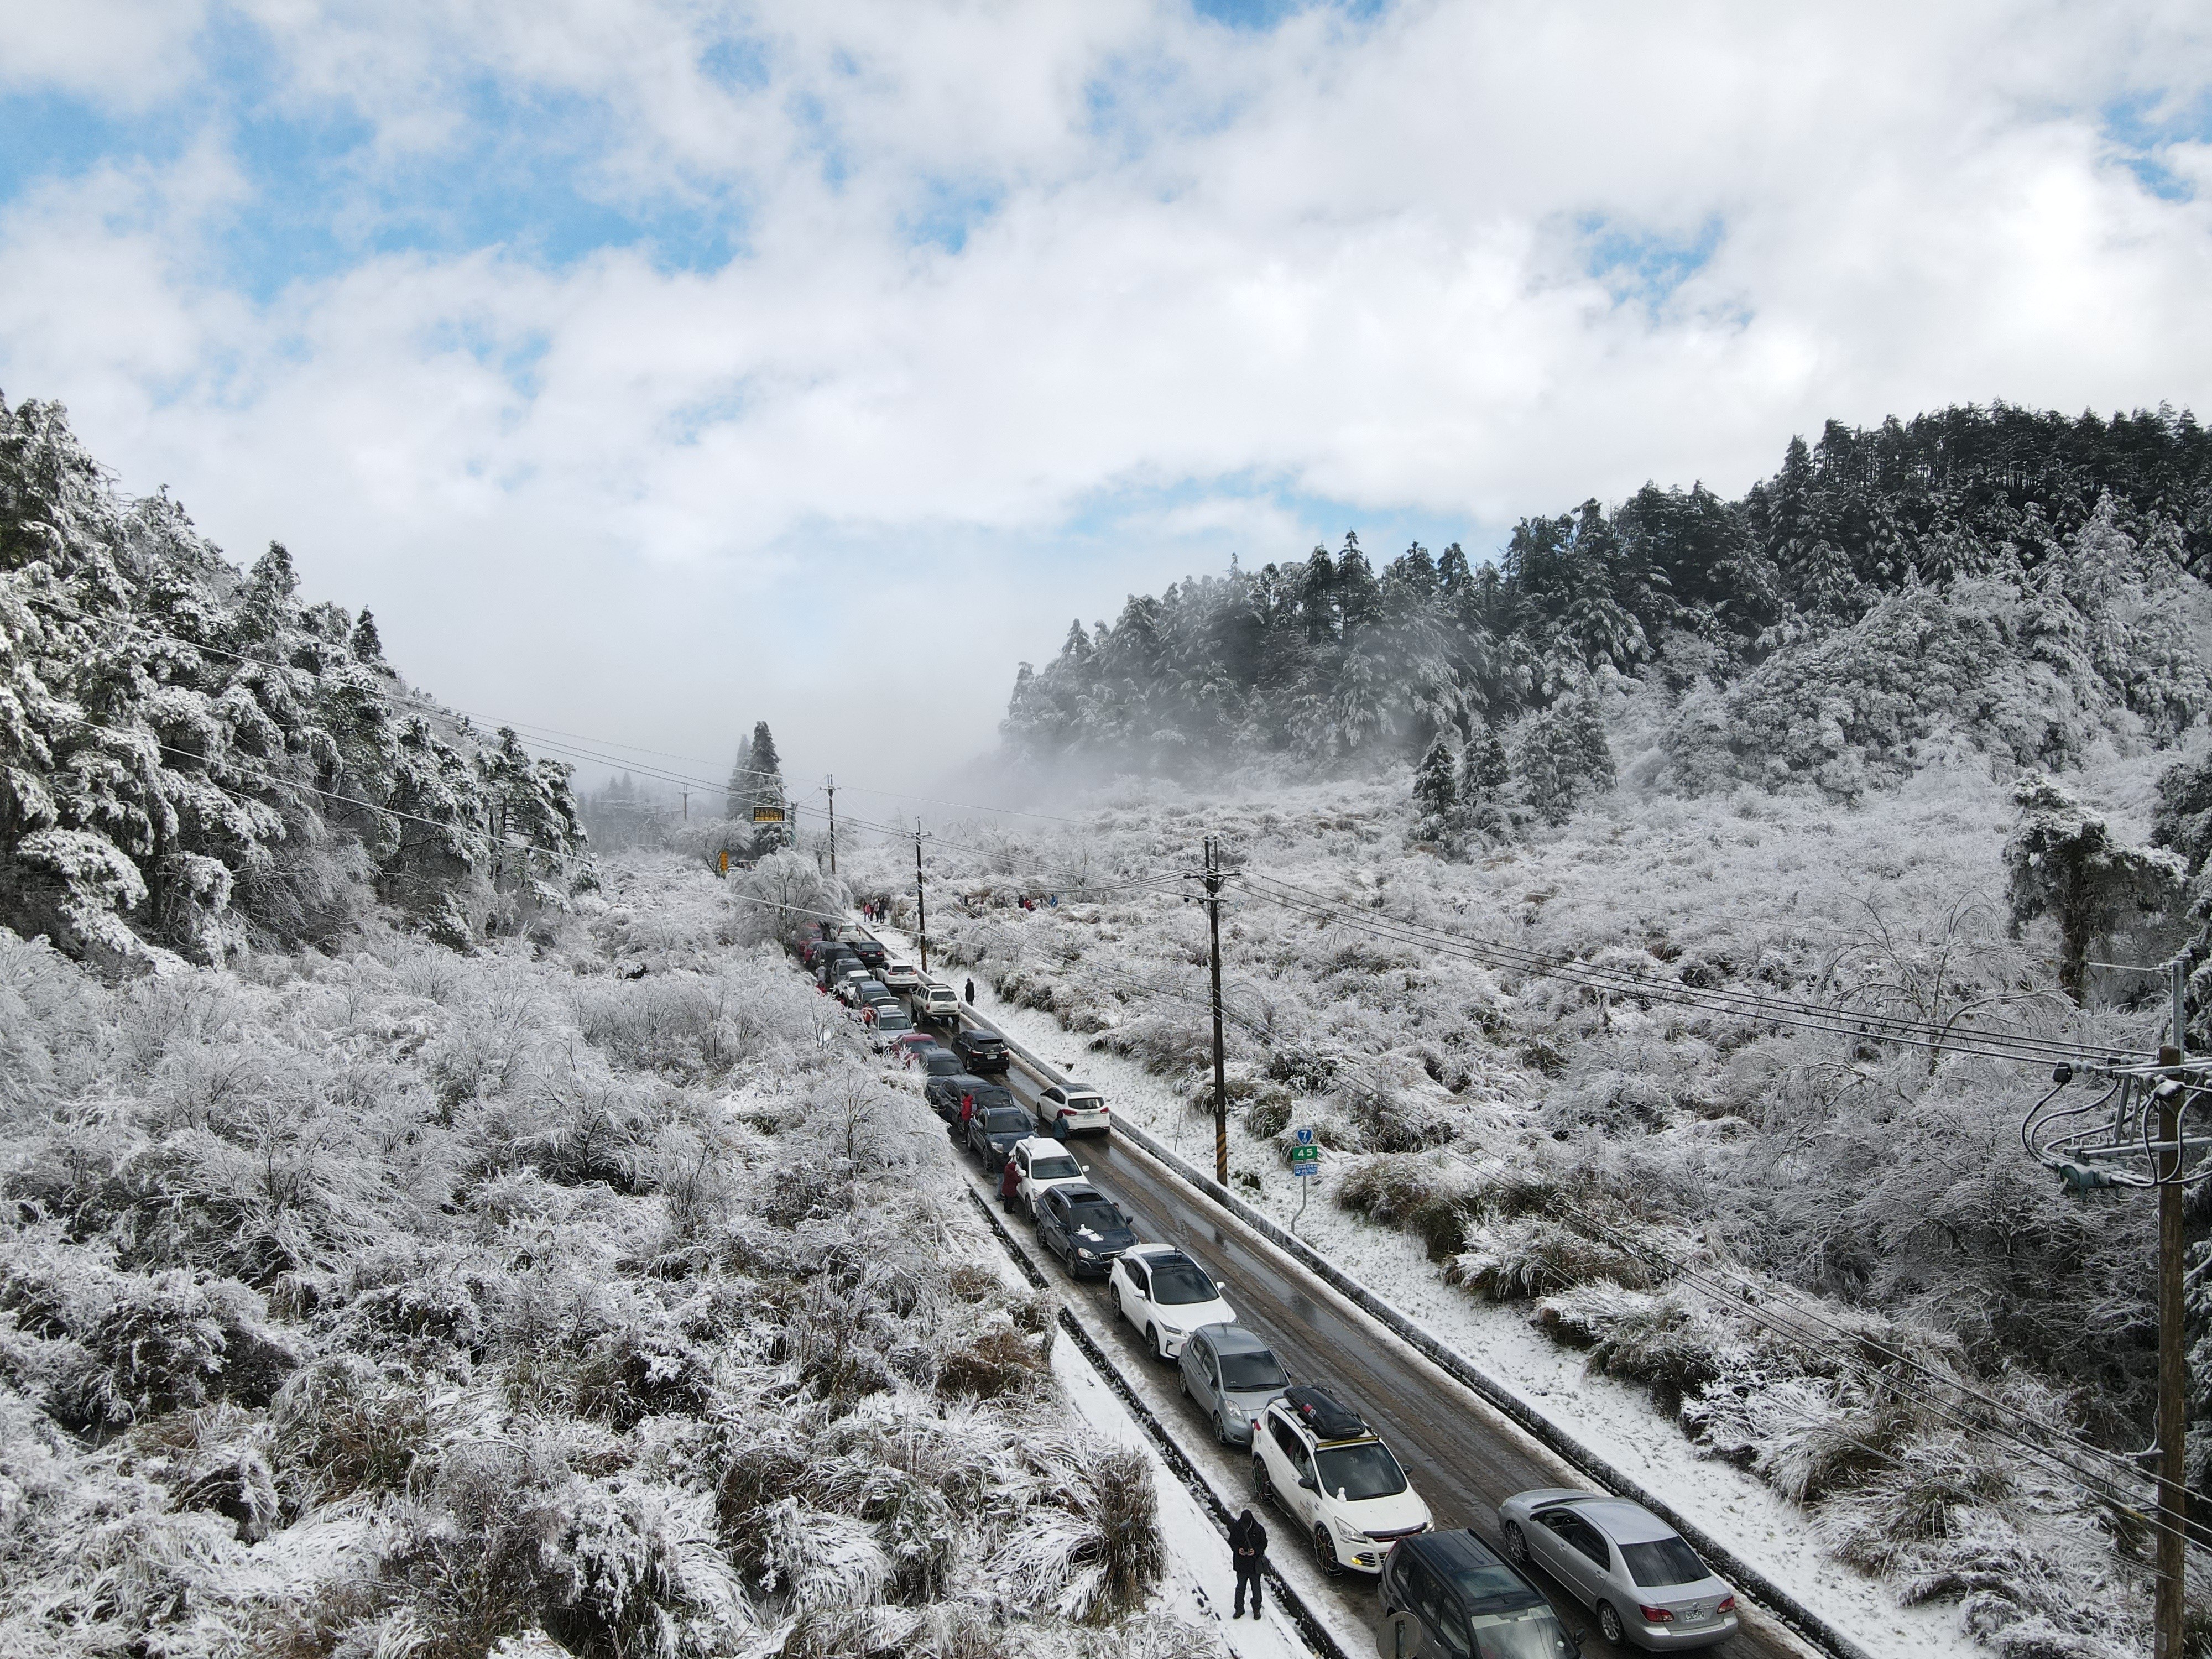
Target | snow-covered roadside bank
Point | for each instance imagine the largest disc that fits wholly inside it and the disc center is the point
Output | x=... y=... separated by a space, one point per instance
x=1615 y=1420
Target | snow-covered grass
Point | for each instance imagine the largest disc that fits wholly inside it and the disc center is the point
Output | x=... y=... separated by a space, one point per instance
x=1567 y=1188
x=412 y=1303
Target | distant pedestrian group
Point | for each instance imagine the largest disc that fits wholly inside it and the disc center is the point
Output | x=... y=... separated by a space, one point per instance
x=876 y=909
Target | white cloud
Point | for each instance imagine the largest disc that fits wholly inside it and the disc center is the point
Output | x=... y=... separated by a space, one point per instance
x=1338 y=261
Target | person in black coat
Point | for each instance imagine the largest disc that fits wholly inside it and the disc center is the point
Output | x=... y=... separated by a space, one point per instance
x=971 y=994
x=1248 y=1551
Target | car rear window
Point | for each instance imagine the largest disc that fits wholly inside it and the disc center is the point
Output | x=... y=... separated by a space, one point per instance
x=1663 y=1561
x=1256 y=1369
x=984 y=1040
x=1178 y=1282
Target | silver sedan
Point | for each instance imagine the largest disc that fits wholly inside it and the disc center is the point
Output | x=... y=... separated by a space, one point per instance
x=1645 y=1584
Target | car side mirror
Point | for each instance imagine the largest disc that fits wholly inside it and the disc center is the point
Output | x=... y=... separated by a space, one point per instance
x=1127 y=1220
x=1309 y=1483
x=1577 y=1639
x=1085 y=1168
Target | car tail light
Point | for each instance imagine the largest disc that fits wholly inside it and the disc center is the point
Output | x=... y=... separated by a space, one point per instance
x=1727 y=1605
x=1657 y=1615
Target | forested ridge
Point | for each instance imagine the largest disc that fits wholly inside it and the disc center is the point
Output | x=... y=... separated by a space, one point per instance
x=2040 y=575
x=194 y=758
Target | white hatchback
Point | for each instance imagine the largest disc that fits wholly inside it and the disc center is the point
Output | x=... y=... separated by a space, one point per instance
x=1074 y=1108
x=1166 y=1295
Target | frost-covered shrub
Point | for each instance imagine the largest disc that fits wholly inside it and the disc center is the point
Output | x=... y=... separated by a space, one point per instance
x=1088 y=1545
x=1000 y=1361
x=133 y=1345
x=635 y=1573
x=631 y=1374
x=344 y=1426
x=474 y=1561
x=1512 y=1261
x=1937 y=1488
x=1428 y=1196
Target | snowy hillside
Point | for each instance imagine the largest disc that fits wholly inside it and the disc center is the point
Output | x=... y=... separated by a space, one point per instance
x=194 y=758
x=1985 y=581
x=1824 y=1257
x=413 y=1303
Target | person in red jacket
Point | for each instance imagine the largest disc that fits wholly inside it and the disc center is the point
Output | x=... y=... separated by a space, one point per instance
x=1010 y=1180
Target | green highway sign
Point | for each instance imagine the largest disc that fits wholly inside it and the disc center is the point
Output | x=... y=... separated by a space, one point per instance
x=1305 y=1160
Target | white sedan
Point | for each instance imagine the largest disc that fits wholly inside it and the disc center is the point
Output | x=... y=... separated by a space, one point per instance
x=1166 y=1295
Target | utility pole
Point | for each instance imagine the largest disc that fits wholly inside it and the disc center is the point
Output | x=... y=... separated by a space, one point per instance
x=687 y=807
x=2172 y=1354
x=921 y=904
x=830 y=783
x=2141 y=1142
x=1220 y=1067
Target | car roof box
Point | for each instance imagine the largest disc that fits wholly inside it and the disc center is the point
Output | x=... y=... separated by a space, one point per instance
x=1325 y=1415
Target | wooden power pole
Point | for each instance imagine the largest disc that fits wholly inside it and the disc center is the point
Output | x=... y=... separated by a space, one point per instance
x=1220 y=1067
x=921 y=904
x=830 y=784
x=2172 y=1350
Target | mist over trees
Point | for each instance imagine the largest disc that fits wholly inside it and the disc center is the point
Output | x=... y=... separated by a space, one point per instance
x=1995 y=578
x=194 y=758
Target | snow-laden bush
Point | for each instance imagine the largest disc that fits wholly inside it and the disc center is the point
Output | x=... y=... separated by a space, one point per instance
x=1088 y=1544
x=1513 y=1260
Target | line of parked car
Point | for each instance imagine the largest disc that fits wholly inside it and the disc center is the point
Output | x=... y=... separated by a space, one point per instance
x=1443 y=1594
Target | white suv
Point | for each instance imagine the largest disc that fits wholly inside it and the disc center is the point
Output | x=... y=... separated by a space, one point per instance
x=1038 y=1164
x=936 y=1002
x=901 y=975
x=1165 y=1294
x=1072 y=1108
x=1326 y=1469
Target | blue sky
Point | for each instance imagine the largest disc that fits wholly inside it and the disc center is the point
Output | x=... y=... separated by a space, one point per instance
x=619 y=360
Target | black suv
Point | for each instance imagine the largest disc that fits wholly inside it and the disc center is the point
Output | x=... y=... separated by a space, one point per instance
x=984 y=1050
x=872 y=954
x=1078 y=1224
x=1450 y=1593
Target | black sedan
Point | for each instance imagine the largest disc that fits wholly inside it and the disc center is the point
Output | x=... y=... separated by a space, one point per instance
x=1078 y=1224
x=947 y=1101
x=996 y=1131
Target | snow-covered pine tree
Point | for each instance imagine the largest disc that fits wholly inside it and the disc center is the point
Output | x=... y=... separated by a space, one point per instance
x=2064 y=862
x=764 y=788
x=1565 y=761
x=1435 y=793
